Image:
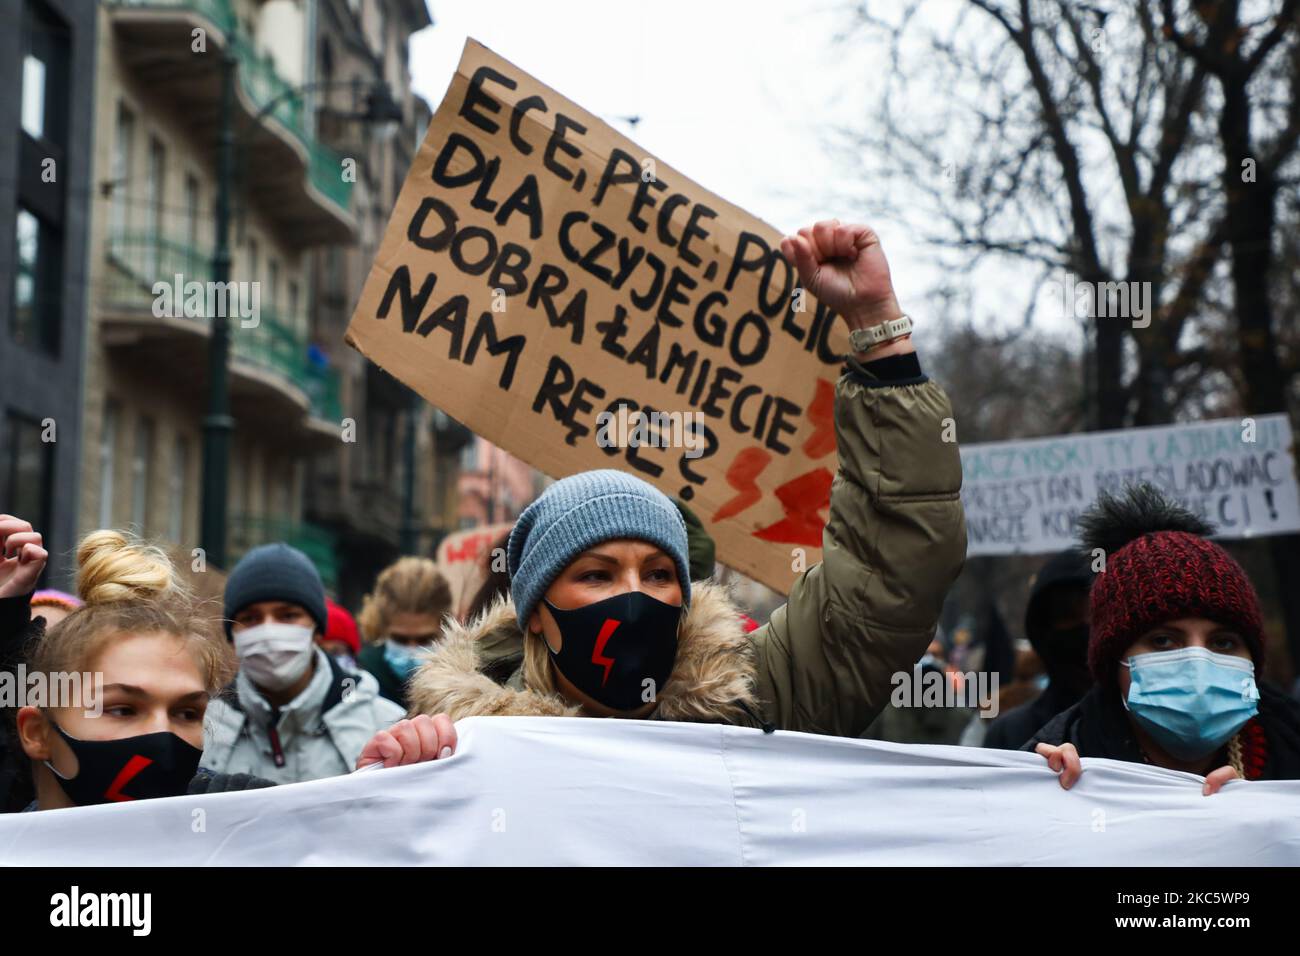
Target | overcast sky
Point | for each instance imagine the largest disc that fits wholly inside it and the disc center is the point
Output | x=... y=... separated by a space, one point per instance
x=740 y=96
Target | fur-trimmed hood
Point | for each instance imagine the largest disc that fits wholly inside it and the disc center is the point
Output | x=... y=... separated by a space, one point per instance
x=713 y=679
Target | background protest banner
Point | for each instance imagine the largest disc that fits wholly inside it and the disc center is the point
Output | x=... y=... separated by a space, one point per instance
x=1026 y=496
x=563 y=791
x=540 y=269
x=462 y=558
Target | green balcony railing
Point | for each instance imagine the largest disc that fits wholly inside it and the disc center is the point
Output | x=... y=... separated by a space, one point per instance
x=321 y=546
x=220 y=12
x=322 y=388
x=138 y=262
x=271 y=344
x=267 y=89
x=327 y=174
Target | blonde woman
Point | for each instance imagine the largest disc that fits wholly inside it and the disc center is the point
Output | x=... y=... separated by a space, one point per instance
x=135 y=728
x=400 y=619
x=600 y=586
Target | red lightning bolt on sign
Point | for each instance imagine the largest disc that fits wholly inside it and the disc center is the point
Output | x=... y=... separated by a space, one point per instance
x=125 y=776
x=821 y=412
x=598 y=654
x=802 y=500
x=744 y=468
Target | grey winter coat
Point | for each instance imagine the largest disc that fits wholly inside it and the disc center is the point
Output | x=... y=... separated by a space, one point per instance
x=320 y=733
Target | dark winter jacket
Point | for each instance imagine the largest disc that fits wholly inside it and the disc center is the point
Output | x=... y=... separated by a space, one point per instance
x=17 y=629
x=1098 y=726
x=1009 y=731
x=894 y=542
x=371 y=660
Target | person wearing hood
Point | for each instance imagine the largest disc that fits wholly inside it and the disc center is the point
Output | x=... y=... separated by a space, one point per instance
x=1176 y=646
x=293 y=713
x=600 y=583
x=1056 y=623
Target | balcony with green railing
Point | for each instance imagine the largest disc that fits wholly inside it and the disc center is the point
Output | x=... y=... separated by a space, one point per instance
x=322 y=387
x=274 y=344
x=320 y=545
x=269 y=93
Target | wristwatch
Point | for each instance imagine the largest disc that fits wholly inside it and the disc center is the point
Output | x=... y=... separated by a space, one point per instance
x=864 y=339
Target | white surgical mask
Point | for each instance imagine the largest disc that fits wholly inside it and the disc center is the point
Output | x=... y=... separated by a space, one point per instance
x=275 y=655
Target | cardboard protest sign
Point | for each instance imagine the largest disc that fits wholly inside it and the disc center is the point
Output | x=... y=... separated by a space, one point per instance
x=583 y=305
x=462 y=558
x=1026 y=496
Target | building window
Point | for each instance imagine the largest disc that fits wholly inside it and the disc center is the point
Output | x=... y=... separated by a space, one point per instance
x=193 y=259
x=156 y=187
x=469 y=456
x=30 y=478
x=141 y=470
x=40 y=203
x=178 y=490
x=253 y=264
x=107 y=463
x=47 y=49
x=33 y=97
x=36 y=298
x=273 y=281
x=285 y=498
x=123 y=152
x=26 y=276
x=293 y=305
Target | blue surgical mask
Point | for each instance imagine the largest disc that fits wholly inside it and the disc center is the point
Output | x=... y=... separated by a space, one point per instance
x=1191 y=701
x=402 y=659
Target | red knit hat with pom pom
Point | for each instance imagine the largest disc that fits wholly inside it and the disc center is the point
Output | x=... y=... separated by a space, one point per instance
x=1160 y=568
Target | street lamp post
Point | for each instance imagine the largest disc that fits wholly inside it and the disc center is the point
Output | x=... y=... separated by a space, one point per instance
x=218 y=423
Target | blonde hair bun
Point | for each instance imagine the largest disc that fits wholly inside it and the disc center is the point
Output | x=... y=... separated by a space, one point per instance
x=114 y=566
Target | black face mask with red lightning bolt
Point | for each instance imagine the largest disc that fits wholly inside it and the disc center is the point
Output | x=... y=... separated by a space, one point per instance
x=130 y=768
x=619 y=651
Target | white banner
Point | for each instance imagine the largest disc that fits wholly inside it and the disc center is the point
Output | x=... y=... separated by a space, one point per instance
x=1026 y=496
x=563 y=791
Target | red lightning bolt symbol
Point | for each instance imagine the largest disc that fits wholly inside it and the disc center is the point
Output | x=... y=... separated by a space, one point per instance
x=598 y=655
x=744 y=468
x=125 y=776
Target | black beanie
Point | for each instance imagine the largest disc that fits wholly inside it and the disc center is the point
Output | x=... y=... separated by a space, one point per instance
x=275 y=572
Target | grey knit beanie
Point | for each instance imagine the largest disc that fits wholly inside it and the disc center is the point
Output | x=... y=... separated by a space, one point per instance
x=579 y=512
x=275 y=572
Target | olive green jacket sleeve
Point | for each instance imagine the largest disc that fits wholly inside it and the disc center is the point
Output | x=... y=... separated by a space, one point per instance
x=894 y=542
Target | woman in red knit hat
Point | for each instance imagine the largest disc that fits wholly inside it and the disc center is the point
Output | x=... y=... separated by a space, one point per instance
x=1176 y=643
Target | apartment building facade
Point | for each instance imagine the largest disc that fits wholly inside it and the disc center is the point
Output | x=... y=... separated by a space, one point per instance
x=159 y=108
x=393 y=490
x=46 y=111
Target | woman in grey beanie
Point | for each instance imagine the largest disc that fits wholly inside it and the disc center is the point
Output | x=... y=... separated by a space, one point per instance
x=599 y=565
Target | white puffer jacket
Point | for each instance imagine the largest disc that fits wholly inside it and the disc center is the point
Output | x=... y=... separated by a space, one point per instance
x=319 y=733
